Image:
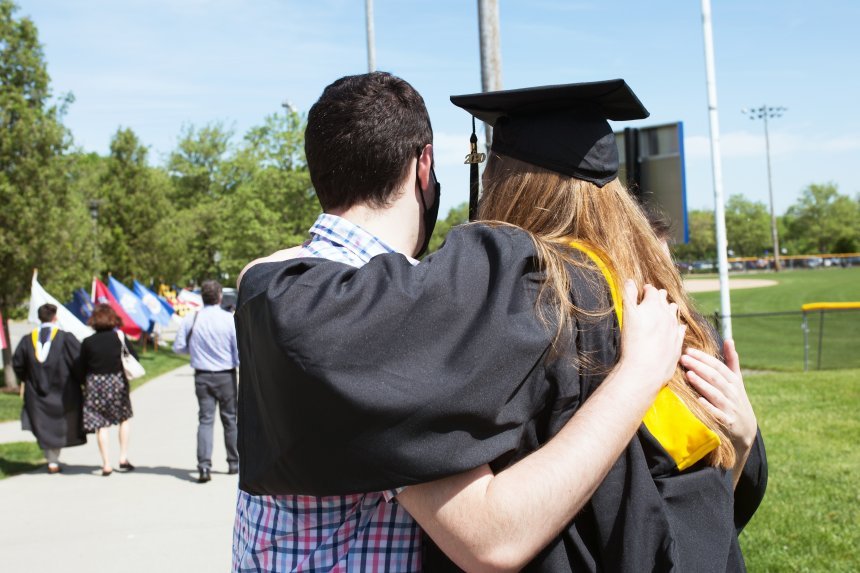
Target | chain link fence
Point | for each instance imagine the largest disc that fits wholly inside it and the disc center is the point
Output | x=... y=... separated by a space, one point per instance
x=815 y=339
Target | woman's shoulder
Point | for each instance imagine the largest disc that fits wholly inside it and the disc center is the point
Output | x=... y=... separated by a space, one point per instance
x=101 y=337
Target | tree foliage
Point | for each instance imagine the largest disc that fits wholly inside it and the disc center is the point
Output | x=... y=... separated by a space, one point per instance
x=36 y=204
x=747 y=227
x=703 y=243
x=133 y=199
x=196 y=164
x=456 y=216
x=823 y=221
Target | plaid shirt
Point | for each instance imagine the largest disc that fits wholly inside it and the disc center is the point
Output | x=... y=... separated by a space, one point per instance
x=347 y=533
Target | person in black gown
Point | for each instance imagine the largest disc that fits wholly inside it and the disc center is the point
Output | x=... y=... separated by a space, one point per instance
x=44 y=362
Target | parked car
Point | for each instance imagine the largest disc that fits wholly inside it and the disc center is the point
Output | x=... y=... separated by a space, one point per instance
x=228 y=299
x=702 y=267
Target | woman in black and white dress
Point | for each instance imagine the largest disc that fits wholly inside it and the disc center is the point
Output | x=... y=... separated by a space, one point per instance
x=106 y=398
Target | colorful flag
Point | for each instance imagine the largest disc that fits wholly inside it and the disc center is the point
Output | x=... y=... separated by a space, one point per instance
x=157 y=312
x=192 y=299
x=65 y=319
x=81 y=305
x=102 y=295
x=166 y=304
x=131 y=303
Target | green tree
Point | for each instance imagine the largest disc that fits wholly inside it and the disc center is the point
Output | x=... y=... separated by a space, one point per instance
x=456 y=216
x=133 y=201
x=41 y=218
x=702 y=244
x=271 y=203
x=747 y=227
x=823 y=221
x=196 y=165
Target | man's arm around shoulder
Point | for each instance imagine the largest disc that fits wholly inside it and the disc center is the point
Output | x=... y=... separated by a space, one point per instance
x=487 y=522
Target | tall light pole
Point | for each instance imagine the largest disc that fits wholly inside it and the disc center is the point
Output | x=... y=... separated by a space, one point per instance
x=371 y=38
x=94 y=205
x=764 y=112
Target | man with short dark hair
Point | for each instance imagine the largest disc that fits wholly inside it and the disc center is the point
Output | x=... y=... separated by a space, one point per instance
x=210 y=337
x=44 y=363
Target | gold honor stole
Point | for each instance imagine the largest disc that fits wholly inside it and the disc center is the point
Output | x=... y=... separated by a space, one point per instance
x=44 y=347
x=684 y=437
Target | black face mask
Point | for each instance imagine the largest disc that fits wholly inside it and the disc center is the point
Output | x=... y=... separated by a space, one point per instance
x=431 y=214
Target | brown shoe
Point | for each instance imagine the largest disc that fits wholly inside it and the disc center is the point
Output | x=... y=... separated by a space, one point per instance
x=54 y=469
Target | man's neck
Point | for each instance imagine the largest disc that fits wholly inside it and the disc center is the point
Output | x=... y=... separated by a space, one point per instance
x=391 y=225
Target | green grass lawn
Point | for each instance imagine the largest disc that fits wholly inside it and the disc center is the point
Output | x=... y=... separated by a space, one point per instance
x=19 y=457
x=776 y=342
x=810 y=517
x=10 y=407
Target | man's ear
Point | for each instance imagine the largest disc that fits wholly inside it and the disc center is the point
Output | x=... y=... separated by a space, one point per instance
x=425 y=162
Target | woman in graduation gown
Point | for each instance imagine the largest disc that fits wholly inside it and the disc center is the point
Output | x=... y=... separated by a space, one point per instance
x=684 y=488
x=668 y=504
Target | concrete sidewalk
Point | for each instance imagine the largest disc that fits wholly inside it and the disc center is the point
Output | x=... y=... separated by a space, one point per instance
x=156 y=518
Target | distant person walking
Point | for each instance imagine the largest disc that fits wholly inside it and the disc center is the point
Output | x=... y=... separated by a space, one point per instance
x=44 y=362
x=210 y=337
x=106 y=399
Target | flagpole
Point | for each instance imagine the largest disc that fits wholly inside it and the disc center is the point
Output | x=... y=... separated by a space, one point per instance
x=93 y=291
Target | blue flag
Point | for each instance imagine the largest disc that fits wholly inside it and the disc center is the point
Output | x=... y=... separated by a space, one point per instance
x=167 y=306
x=130 y=303
x=152 y=304
x=81 y=305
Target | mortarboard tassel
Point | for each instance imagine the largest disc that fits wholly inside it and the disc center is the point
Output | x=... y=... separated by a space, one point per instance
x=473 y=159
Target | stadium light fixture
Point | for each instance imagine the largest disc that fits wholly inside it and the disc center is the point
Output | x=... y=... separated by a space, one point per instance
x=764 y=113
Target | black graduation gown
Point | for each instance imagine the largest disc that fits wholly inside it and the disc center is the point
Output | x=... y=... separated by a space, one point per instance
x=368 y=379
x=52 y=395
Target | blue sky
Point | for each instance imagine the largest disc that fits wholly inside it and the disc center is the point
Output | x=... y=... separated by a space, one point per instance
x=155 y=65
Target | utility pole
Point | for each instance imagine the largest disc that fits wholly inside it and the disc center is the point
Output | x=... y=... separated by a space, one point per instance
x=491 y=56
x=94 y=205
x=764 y=112
x=717 y=169
x=371 y=40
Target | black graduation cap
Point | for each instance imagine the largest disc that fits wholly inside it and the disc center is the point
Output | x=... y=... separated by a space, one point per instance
x=562 y=127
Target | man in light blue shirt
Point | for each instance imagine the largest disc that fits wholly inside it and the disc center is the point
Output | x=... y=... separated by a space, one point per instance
x=209 y=336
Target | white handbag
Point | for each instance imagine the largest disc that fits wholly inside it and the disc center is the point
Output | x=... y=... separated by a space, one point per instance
x=132 y=368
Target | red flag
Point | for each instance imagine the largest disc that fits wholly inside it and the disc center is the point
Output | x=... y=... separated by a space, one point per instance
x=102 y=295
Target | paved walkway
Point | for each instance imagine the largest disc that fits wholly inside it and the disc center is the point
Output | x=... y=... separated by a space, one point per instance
x=156 y=518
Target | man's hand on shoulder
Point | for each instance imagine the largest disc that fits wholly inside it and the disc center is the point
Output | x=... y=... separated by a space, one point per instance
x=282 y=255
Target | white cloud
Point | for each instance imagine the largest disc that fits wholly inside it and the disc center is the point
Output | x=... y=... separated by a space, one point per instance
x=746 y=144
